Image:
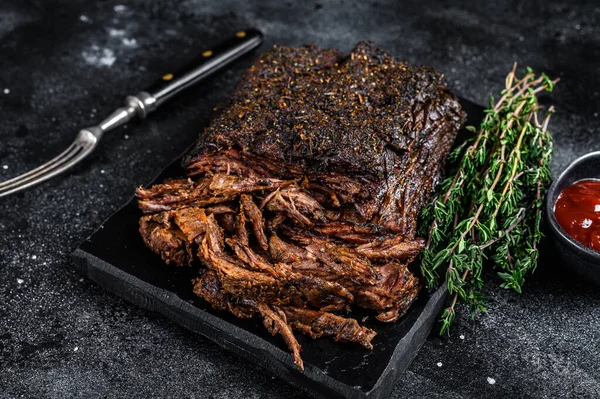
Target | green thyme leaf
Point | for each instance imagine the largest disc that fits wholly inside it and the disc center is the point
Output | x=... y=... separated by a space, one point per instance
x=491 y=206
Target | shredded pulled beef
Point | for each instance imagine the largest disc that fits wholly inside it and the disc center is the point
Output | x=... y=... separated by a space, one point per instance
x=302 y=196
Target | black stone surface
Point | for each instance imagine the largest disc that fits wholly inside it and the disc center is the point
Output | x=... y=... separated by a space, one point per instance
x=65 y=63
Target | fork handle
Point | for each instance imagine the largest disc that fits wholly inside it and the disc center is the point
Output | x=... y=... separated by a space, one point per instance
x=207 y=63
x=210 y=61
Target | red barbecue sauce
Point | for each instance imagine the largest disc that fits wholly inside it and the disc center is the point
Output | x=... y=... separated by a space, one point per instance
x=577 y=210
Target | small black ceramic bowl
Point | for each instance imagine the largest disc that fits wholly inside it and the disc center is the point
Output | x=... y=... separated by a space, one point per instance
x=581 y=259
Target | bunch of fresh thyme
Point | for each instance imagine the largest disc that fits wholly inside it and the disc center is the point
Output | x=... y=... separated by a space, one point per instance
x=490 y=207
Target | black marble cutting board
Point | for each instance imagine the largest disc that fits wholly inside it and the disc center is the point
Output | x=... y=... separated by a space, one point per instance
x=116 y=258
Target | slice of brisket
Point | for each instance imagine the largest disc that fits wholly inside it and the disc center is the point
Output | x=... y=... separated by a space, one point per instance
x=302 y=196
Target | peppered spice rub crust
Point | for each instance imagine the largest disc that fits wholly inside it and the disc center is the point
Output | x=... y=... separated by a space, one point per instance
x=302 y=195
x=385 y=124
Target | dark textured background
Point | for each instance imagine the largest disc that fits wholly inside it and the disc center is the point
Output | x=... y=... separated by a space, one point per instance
x=64 y=64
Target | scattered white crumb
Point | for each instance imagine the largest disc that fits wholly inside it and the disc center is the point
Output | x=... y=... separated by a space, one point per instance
x=102 y=171
x=4 y=167
x=34 y=257
x=99 y=57
x=439 y=364
x=116 y=32
x=596 y=114
x=461 y=336
x=6 y=91
x=120 y=8
x=81 y=280
x=491 y=381
x=108 y=57
x=126 y=136
x=20 y=281
x=102 y=186
x=75 y=349
x=84 y=18
x=129 y=42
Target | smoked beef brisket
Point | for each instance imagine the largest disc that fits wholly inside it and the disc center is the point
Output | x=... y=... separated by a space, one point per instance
x=302 y=196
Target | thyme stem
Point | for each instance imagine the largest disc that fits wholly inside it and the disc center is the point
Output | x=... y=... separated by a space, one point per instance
x=490 y=206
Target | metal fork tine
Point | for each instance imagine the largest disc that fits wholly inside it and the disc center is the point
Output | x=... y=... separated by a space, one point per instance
x=35 y=171
x=84 y=144
x=74 y=154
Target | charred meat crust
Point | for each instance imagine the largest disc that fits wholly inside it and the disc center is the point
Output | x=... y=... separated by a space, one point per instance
x=370 y=123
x=302 y=196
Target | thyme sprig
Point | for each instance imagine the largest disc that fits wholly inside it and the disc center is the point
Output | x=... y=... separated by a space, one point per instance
x=491 y=206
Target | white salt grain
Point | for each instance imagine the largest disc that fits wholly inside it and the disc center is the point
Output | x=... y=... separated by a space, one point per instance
x=20 y=281
x=129 y=42
x=462 y=336
x=99 y=57
x=491 y=381
x=439 y=364
x=108 y=57
x=116 y=32
x=4 y=167
x=75 y=349
x=6 y=91
x=34 y=257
